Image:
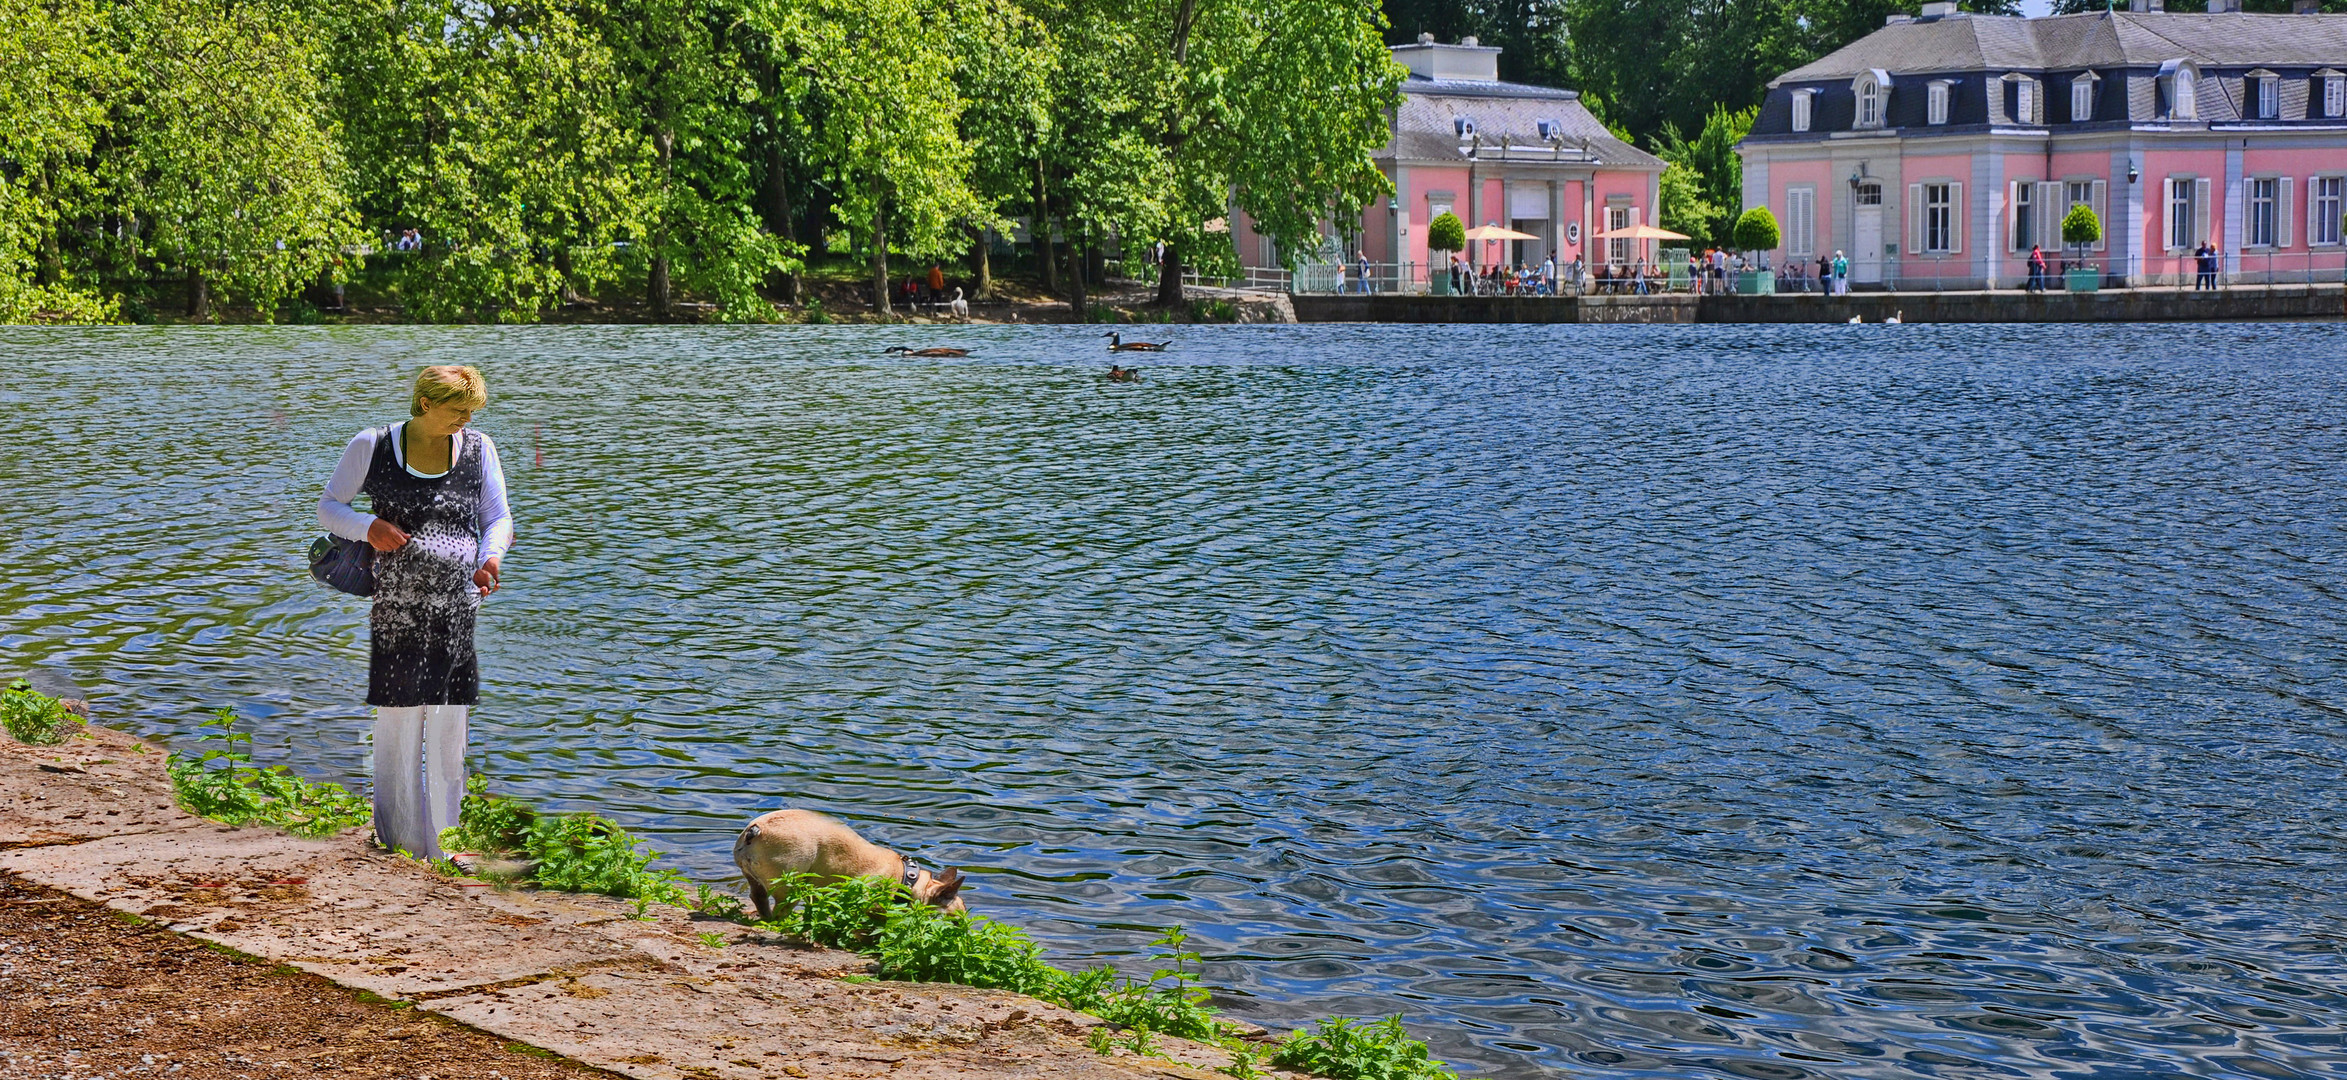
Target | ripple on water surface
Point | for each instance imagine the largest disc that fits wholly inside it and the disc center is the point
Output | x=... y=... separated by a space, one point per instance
x=1753 y=702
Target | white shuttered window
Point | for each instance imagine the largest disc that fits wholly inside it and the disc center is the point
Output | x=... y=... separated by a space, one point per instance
x=1800 y=222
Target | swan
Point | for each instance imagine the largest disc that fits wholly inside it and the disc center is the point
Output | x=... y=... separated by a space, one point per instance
x=959 y=307
x=1855 y=320
x=1895 y=319
x=1117 y=343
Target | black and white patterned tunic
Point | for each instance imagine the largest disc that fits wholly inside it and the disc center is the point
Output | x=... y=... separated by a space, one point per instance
x=425 y=600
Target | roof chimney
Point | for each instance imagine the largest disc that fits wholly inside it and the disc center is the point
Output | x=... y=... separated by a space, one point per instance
x=1466 y=61
x=1938 y=9
x=2147 y=7
x=2306 y=7
x=2222 y=7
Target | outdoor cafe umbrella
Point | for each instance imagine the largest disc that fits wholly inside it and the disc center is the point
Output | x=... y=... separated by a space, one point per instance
x=1494 y=232
x=1639 y=232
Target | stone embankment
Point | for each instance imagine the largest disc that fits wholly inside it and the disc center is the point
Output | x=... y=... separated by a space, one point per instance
x=666 y=997
x=2237 y=303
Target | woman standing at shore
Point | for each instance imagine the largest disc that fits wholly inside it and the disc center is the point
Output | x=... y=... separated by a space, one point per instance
x=439 y=530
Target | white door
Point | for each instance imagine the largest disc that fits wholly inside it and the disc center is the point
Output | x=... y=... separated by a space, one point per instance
x=1866 y=247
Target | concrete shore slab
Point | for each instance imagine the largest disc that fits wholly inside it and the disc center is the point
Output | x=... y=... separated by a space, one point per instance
x=580 y=976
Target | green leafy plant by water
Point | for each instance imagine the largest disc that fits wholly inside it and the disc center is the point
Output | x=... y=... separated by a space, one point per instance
x=571 y=852
x=34 y=718
x=222 y=784
x=1352 y=1050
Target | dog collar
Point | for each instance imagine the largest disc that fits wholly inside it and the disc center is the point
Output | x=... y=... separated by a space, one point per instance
x=912 y=874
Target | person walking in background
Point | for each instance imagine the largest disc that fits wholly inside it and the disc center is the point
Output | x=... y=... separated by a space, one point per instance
x=1841 y=274
x=2204 y=260
x=2036 y=269
x=1361 y=260
x=440 y=530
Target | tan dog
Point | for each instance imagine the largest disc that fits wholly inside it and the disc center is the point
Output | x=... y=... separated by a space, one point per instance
x=805 y=842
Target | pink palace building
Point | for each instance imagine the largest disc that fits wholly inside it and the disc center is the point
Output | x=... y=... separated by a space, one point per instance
x=1530 y=158
x=1935 y=151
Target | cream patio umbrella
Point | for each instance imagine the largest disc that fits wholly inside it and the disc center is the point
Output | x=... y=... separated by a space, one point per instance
x=1494 y=232
x=1639 y=233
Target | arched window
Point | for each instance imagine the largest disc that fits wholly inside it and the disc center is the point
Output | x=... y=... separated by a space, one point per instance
x=1872 y=88
x=2180 y=83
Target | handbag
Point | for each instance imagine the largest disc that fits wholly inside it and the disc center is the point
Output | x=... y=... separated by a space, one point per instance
x=344 y=565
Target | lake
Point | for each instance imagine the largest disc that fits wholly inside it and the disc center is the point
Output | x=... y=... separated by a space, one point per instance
x=1777 y=702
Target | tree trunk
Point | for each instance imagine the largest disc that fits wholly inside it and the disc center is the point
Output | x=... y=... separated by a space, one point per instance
x=1096 y=264
x=1169 y=280
x=1075 y=276
x=199 y=295
x=880 y=298
x=656 y=286
x=1039 y=231
x=778 y=212
x=985 y=266
x=562 y=267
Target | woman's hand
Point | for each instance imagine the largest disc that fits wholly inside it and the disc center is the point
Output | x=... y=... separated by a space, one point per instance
x=385 y=536
x=486 y=577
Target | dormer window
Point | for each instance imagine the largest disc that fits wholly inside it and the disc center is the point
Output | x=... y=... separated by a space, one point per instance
x=2179 y=84
x=2021 y=95
x=2334 y=92
x=1873 y=90
x=2082 y=98
x=1935 y=101
x=2264 y=93
x=1802 y=103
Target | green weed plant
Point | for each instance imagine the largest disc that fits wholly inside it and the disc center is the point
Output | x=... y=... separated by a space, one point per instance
x=34 y=718
x=222 y=784
x=1348 y=1050
x=582 y=853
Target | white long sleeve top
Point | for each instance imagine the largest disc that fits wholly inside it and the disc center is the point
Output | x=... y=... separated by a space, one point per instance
x=342 y=519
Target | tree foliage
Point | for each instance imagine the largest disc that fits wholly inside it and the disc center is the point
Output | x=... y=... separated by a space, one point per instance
x=1756 y=230
x=1446 y=233
x=237 y=152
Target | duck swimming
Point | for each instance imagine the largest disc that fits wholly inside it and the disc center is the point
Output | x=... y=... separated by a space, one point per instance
x=934 y=350
x=1117 y=343
x=1123 y=374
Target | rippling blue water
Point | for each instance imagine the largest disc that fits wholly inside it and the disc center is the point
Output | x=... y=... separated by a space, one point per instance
x=1701 y=701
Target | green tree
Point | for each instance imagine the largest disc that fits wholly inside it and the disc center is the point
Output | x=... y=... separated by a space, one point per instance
x=1756 y=230
x=1682 y=208
x=223 y=151
x=1446 y=233
x=685 y=83
x=885 y=115
x=500 y=132
x=1004 y=59
x=1711 y=161
x=2080 y=227
x=52 y=112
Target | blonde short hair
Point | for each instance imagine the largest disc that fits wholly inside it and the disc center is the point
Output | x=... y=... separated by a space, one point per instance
x=441 y=384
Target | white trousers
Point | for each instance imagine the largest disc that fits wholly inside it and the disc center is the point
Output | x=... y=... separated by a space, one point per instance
x=419 y=775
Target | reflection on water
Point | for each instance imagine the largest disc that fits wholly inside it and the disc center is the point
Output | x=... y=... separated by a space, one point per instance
x=1759 y=702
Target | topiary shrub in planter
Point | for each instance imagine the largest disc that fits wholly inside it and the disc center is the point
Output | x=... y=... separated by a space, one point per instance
x=2080 y=228
x=1755 y=231
x=1445 y=234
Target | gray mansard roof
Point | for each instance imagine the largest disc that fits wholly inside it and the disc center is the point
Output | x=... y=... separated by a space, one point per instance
x=1507 y=118
x=2123 y=51
x=1967 y=43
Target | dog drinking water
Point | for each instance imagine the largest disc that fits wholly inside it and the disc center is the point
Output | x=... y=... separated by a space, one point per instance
x=789 y=842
